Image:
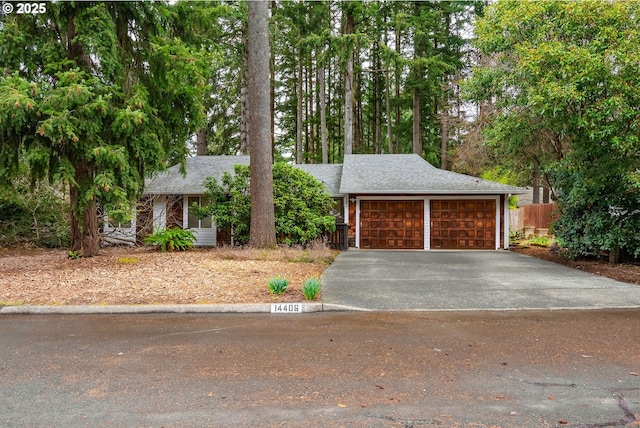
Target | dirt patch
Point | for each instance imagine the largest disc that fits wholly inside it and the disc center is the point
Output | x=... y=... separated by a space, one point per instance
x=625 y=272
x=145 y=276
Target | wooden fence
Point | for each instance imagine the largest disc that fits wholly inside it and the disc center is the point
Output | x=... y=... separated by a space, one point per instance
x=338 y=239
x=539 y=216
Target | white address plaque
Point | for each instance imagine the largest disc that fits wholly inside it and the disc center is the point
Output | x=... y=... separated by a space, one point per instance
x=286 y=308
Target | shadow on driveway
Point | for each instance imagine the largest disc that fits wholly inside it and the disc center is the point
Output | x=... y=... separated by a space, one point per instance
x=466 y=280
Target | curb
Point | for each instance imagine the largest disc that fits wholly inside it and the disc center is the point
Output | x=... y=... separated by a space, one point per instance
x=161 y=309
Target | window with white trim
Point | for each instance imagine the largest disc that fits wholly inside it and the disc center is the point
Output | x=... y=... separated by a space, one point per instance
x=193 y=221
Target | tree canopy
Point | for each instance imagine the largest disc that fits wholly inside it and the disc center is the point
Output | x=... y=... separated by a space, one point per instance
x=564 y=79
x=97 y=95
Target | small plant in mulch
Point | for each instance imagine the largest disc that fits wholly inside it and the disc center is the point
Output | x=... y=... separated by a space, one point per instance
x=278 y=285
x=311 y=288
x=74 y=255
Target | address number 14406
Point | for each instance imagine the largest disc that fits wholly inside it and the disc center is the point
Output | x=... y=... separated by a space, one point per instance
x=286 y=308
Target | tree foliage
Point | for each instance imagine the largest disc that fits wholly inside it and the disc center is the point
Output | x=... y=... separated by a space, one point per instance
x=302 y=204
x=229 y=203
x=33 y=215
x=100 y=94
x=565 y=77
x=96 y=95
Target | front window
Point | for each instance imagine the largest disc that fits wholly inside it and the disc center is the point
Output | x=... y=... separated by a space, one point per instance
x=338 y=209
x=193 y=221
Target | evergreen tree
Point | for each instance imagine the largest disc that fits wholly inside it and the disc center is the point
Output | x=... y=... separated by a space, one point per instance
x=96 y=95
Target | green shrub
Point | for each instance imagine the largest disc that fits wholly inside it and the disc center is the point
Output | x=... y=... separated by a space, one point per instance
x=278 y=285
x=302 y=204
x=173 y=239
x=311 y=288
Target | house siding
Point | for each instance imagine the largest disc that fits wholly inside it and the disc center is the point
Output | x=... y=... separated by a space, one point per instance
x=205 y=237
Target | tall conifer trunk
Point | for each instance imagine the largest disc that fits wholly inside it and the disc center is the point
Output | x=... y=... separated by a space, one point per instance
x=84 y=216
x=444 y=137
x=323 y=114
x=348 y=85
x=263 y=232
x=415 y=94
x=299 y=112
x=201 y=142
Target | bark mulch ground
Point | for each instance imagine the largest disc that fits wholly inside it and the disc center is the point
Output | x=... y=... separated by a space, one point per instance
x=625 y=272
x=145 y=276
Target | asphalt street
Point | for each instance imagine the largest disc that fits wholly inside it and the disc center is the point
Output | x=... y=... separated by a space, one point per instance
x=366 y=369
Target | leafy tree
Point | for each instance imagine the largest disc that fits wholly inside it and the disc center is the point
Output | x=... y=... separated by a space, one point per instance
x=302 y=204
x=565 y=77
x=230 y=203
x=96 y=95
x=220 y=29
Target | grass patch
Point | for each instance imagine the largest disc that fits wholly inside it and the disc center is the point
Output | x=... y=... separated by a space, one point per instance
x=316 y=252
x=540 y=241
x=9 y=303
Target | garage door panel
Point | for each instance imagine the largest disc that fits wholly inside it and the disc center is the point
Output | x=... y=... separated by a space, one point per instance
x=463 y=224
x=397 y=225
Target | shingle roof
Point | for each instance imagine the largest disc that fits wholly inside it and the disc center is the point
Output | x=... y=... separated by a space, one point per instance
x=329 y=174
x=172 y=182
x=363 y=174
x=410 y=174
x=198 y=168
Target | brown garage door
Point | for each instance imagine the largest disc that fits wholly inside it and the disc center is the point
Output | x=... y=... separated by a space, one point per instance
x=392 y=224
x=463 y=224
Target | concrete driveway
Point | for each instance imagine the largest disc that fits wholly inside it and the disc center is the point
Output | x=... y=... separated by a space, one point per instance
x=466 y=280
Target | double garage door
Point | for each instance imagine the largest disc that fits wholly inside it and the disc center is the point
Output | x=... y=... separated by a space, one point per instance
x=455 y=224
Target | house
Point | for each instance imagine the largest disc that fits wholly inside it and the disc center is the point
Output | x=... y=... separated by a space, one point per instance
x=403 y=202
x=387 y=202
